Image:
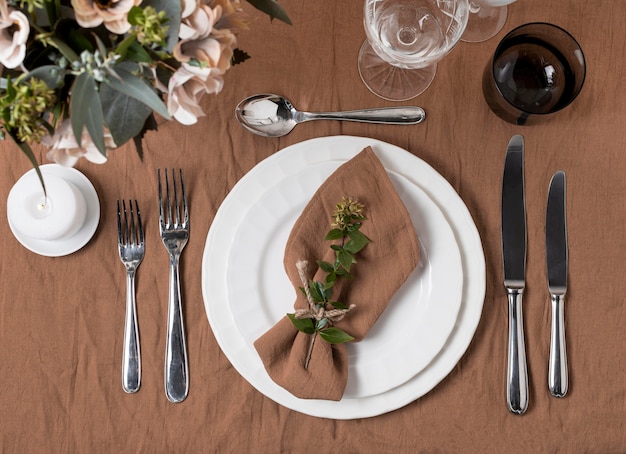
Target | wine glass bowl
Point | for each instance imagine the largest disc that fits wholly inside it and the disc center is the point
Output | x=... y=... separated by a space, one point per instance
x=536 y=70
x=486 y=18
x=405 y=40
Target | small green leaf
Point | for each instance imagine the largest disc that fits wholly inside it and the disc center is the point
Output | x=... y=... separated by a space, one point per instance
x=357 y=242
x=338 y=305
x=136 y=52
x=316 y=294
x=134 y=14
x=335 y=335
x=330 y=280
x=321 y=324
x=334 y=234
x=302 y=324
x=123 y=46
x=335 y=247
x=346 y=259
x=325 y=266
x=323 y=291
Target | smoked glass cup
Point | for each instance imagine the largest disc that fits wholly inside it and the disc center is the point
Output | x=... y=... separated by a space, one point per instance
x=536 y=70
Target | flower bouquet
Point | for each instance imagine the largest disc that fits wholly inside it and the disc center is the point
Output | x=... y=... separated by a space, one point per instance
x=85 y=76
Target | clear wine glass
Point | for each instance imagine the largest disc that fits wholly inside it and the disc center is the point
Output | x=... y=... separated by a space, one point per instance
x=486 y=19
x=405 y=40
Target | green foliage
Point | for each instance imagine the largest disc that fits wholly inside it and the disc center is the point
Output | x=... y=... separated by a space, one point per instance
x=272 y=9
x=345 y=228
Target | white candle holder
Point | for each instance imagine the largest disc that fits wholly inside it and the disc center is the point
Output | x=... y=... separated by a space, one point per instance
x=59 y=224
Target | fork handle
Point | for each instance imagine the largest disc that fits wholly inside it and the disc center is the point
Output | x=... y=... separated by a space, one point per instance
x=131 y=355
x=176 y=368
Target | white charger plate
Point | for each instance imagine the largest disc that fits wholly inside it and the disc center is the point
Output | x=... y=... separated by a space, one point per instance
x=415 y=324
x=263 y=178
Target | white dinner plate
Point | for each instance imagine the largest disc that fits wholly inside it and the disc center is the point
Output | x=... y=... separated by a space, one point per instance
x=415 y=324
x=223 y=235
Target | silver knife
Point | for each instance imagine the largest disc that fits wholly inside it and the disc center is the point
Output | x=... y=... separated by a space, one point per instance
x=514 y=258
x=556 y=255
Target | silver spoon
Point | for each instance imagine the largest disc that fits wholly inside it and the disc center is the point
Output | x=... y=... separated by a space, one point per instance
x=274 y=116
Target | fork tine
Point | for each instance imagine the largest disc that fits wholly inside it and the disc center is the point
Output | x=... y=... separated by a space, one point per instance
x=185 y=211
x=125 y=237
x=140 y=238
x=161 y=218
x=134 y=235
x=176 y=218
x=170 y=219
x=119 y=224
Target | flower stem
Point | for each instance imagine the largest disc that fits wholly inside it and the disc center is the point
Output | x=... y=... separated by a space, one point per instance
x=310 y=352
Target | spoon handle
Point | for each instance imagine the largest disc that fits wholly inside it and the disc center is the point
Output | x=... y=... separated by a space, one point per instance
x=388 y=115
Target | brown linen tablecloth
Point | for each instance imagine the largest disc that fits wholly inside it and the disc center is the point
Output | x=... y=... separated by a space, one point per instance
x=61 y=319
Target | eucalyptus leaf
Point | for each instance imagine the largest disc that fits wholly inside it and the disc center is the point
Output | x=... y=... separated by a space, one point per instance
x=271 y=8
x=134 y=87
x=31 y=157
x=52 y=75
x=334 y=335
x=302 y=324
x=125 y=116
x=86 y=111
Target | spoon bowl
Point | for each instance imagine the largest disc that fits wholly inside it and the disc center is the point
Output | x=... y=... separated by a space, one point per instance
x=271 y=115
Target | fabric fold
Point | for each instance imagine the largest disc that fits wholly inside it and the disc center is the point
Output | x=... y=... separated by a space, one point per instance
x=381 y=269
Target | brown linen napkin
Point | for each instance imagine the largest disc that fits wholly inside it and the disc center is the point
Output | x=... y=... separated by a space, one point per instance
x=381 y=268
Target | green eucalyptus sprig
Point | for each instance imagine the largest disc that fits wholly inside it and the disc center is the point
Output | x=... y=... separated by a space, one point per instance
x=323 y=311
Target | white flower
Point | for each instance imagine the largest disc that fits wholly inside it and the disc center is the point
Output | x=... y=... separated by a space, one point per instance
x=113 y=13
x=201 y=41
x=14 y=30
x=186 y=88
x=205 y=53
x=64 y=149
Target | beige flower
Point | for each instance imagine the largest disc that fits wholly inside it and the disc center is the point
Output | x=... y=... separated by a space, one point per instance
x=14 y=30
x=186 y=88
x=202 y=41
x=64 y=149
x=113 y=13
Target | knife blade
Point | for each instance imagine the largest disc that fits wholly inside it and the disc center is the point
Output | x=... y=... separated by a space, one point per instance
x=514 y=259
x=556 y=258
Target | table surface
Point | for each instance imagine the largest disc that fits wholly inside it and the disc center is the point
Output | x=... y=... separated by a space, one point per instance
x=61 y=319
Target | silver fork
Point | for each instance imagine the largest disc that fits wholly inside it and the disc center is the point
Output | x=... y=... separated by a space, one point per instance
x=131 y=244
x=174 y=226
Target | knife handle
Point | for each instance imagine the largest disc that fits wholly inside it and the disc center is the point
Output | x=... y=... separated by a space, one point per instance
x=517 y=373
x=557 y=370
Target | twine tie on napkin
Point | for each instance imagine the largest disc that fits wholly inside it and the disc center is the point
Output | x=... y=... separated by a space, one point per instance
x=382 y=268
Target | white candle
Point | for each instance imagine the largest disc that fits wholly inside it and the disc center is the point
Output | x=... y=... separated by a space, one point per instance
x=58 y=216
